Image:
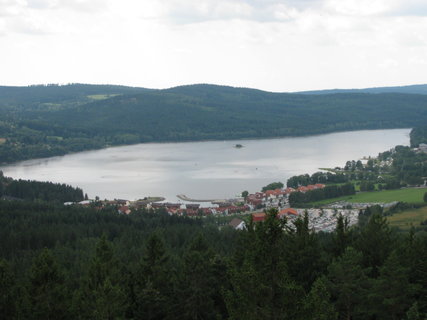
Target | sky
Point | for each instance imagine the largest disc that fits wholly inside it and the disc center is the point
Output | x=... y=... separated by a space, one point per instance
x=282 y=46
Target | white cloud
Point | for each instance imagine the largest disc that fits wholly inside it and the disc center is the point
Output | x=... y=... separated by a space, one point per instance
x=269 y=44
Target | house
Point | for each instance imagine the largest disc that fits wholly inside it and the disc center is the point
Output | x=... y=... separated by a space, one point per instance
x=124 y=210
x=257 y=217
x=303 y=189
x=287 y=212
x=289 y=190
x=237 y=224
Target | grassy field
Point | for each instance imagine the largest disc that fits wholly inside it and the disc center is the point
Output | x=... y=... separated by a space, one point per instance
x=410 y=195
x=405 y=219
x=101 y=96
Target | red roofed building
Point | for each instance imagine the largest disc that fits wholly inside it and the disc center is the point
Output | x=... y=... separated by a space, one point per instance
x=287 y=211
x=289 y=190
x=124 y=210
x=257 y=217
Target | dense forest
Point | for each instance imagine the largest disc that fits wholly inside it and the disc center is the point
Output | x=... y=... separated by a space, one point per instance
x=41 y=121
x=75 y=263
x=418 y=135
x=393 y=169
x=12 y=189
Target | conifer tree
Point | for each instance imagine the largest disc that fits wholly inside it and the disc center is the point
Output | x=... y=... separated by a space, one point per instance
x=199 y=285
x=47 y=290
x=318 y=302
x=101 y=286
x=340 y=236
x=7 y=297
x=152 y=284
x=260 y=285
x=303 y=253
x=392 y=292
x=413 y=313
x=348 y=283
x=375 y=243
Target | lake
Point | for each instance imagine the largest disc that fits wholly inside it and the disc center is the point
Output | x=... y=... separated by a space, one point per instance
x=207 y=170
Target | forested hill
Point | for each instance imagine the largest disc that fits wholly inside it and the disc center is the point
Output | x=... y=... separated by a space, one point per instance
x=418 y=135
x=59 y=95
x=82 y=117
x=414 y=89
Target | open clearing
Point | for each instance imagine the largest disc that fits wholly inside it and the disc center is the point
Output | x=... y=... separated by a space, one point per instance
x=2 y=140
x=405 y=219
x=101 y=96
x=410 y=195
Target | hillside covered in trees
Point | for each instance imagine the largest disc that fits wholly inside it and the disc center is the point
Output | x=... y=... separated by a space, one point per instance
x=41 y=121
x=76 y=263
x=418 y=135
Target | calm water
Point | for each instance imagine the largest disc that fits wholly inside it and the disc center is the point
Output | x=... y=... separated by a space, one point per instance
x=213 y=169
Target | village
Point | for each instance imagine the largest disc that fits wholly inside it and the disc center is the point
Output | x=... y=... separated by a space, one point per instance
x=320 y=219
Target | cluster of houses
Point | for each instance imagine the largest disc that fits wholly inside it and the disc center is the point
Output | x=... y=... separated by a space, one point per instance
x=194 y=209
x=277 y=198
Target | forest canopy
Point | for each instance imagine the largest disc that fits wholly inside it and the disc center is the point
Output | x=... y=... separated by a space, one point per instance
x=44 y=121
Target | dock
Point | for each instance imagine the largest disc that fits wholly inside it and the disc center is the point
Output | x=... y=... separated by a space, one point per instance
x=185 y=198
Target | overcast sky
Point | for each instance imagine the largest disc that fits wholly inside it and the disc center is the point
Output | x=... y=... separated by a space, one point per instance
x=288 y=45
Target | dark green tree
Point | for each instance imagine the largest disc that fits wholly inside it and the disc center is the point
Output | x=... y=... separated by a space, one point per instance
x=303 y=253
x=47 y=290
x=341 y=237
x=7 y=297
x=348 y=283
x=392 y=293
x=413 y=313
x=375 y=243
x=260 y=285
x=198 y=286
x=152 y=282
x=101 y=295
x=318 y=303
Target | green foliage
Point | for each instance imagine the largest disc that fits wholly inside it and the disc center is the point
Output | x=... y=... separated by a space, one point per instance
x=392 y=293
x=46 y=290
x=44 y=121
x=273 y=186
x=341 y=238
x=328 y=192
x=317 y=177
x=152 y=289
x=413 y=313
x=349 y=283
x=7 y=297
x=261 y=287
x=418 y=135
x=36 y=190
x=318 y=302
x=149 y=265
x=375 y=242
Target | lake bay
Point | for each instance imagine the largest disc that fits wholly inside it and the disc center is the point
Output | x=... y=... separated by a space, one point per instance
x=209 y=169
